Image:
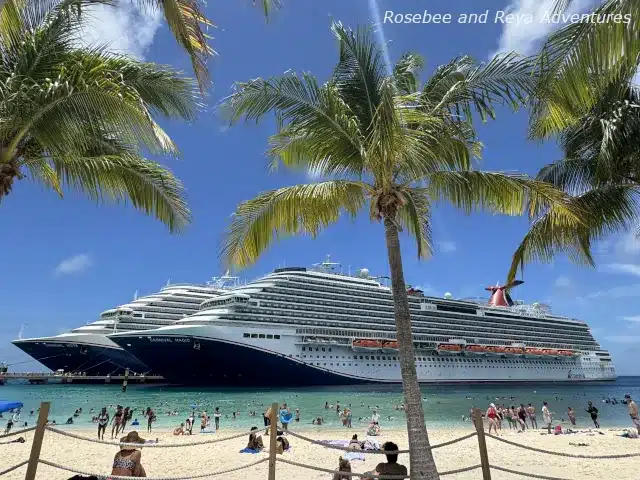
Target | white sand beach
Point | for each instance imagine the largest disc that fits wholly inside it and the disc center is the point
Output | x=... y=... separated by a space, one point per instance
x=181 y=462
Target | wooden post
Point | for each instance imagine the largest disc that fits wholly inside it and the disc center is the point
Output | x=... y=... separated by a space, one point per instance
x=482 y=443
x=38 y=436
x=273 y=436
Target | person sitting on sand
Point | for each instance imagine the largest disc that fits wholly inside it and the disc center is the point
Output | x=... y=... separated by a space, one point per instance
x=179 y=430
x=391 y=467
x=255 y=440
x=127 y=462
x=282 y=445
x=355 y=444
x=343 y=466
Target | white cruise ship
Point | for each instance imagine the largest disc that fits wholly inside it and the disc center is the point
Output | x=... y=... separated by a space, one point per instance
x=299 y=326
x=87 y=348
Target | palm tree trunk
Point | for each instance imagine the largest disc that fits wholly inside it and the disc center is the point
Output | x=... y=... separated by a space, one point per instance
x=421 y=459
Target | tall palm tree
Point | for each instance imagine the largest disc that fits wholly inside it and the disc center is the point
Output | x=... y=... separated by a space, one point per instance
x=383 y=140
x=82 y=117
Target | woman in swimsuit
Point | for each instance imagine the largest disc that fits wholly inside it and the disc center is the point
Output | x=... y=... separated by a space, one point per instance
x=522 y=417
x=103 y=421
x=117 y=418
x=127 y=462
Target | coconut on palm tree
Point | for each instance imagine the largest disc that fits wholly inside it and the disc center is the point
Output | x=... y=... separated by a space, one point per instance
x=384 y=142
x=81 y=118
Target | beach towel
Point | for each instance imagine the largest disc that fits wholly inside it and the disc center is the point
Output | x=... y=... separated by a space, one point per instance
x=371 y=444
x=354 y=456
x=249 y=450
x=337 y=443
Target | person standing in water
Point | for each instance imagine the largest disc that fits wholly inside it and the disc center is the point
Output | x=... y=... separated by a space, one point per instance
x=531 y=411
x=593 y=411
x=103 y=421
x=216 y=418
x=151 y=416
x=492 y=415
x=571 y=413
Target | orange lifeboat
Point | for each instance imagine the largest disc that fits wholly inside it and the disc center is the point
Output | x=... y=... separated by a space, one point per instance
x=389 y=346
x=551 y=352
x=492 y=349
x=450 y=348
x=366 y=344
x=514 y=350
x=566 y=353
x=475 y=349
x=501 y=349
x=536 y=352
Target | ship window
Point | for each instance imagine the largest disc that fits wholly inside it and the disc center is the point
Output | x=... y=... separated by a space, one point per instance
x=261 y=335
x=277 y=337
x=394 y=358
x=269 y=336
x=366 y=357
x=254 y=335
x=317 y=349
x=246 y=335
x=303 y=349
x=378 y=358
x=323 y=349
x=329 y=349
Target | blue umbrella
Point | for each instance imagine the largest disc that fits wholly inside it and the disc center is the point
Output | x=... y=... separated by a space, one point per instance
x=6 y=405
x=193 y=405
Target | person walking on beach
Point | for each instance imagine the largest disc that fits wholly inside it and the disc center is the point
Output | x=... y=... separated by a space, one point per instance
x=126 y=416
x=593 y=411
x=547 y=416
x=571 y=413
x=216 y=418
x=492 y=415
x=522 y=417
x=633 y=412
x=115 y=421
x=103 y=421
x=151 y=416
x=531 y=411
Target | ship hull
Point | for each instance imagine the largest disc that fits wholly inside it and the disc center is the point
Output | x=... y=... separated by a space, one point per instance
x=101 y=357
x=224 y=356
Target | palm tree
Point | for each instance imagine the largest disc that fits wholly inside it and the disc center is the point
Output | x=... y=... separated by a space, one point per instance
x=81 y=117
x=586 y=99
x=382 y=140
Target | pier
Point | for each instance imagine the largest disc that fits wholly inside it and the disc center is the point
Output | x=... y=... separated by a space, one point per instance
x=43 y=378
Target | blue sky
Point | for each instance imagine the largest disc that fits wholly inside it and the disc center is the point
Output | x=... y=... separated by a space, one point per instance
x=67 y=260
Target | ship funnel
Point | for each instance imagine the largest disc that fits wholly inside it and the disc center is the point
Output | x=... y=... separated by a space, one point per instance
x=500 y=294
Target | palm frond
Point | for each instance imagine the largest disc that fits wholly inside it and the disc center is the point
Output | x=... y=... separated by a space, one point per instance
x=406 y=71
x=299 y=209
x=509 y=194
x=606 y=210
x=414 y=217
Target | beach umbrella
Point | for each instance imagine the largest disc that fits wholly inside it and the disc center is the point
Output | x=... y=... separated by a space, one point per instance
x=194 y=406
x=6 y=405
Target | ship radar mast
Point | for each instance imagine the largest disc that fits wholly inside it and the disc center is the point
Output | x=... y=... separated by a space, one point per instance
x=327 y=265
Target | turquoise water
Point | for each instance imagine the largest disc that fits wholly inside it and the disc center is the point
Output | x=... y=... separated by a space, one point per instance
x=444 y=404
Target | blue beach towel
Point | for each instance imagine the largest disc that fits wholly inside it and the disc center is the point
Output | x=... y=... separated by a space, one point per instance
x=354 y=456
x=249 y=450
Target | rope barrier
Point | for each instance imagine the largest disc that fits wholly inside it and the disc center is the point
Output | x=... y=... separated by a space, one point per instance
x=146 y=445
x=378 y=452
x=15 y=467
x=368 y=475
x=119 y=477
x=17 y=432
x=561 y=454
x=523 y=474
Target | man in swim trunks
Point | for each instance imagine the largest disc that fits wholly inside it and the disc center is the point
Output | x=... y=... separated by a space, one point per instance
x=531 y=411
x=633 y=412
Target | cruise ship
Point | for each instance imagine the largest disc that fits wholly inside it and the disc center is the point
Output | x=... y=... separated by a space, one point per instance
x=317 y=326
x=87 y=349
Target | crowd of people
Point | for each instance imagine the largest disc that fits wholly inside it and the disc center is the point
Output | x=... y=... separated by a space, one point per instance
x=524 y=417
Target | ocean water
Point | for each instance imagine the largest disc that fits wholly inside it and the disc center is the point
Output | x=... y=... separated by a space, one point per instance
x=444 y=404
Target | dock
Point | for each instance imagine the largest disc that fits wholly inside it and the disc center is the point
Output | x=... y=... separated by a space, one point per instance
x=67 y=378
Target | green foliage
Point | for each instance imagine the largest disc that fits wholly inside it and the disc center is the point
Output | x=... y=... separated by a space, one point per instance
x=382 y=140
x=82 y=117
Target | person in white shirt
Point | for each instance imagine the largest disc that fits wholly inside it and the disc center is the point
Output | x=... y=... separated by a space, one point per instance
x=547 y=416
x=375 y=418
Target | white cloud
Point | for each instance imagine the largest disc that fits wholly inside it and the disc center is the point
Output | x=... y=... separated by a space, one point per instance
x=629 y=268
x=526 y=36
x=127 y=27
x=635 y=319
x=74 y=265
x=623 y=339
x=447 y=247
x=563 y=282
